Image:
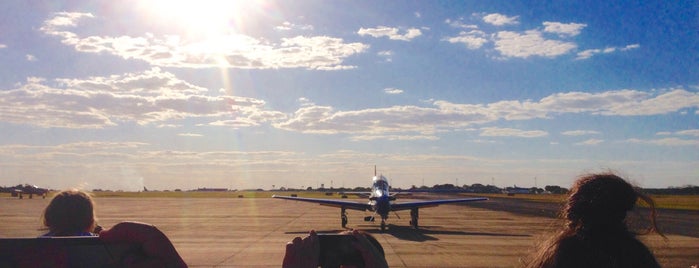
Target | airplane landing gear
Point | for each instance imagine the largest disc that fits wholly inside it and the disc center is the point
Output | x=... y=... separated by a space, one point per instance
x=343 y=217
x=383 y=225
x=413 y=217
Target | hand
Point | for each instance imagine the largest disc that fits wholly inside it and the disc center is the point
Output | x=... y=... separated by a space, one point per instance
x=373 y=258
x=302 y=253
x=157 y=249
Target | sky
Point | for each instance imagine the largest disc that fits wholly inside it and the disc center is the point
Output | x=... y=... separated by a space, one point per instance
x=172 y=94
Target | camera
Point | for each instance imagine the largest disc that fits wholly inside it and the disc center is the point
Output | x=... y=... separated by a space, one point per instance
x=338 y=249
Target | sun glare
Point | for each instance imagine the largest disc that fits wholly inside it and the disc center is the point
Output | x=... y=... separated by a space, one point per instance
x=203 y=16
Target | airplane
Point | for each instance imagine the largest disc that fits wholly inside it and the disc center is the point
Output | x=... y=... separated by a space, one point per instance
x=21 y=190
x=381 y=203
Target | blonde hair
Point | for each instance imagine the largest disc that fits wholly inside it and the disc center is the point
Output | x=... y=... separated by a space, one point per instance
x=70 y=212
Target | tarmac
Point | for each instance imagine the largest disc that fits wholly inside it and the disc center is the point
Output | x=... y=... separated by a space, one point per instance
x=242 y=232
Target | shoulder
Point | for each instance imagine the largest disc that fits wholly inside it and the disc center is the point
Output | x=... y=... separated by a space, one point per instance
x=51 y=234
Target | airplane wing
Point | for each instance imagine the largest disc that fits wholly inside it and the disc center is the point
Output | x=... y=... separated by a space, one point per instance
x=433 y=203
x=329 y=202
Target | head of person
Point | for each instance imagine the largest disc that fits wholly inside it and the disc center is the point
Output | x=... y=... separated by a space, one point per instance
x=601 y=202
x=70 y=212
x=596 y=232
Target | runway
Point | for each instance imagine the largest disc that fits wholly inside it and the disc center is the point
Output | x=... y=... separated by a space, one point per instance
x=240 y=232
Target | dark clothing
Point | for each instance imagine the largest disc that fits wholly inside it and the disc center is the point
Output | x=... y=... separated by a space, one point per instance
x=50 y=234
x=603 y=250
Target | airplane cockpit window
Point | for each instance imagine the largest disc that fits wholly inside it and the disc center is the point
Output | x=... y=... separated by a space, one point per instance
x=381 y=184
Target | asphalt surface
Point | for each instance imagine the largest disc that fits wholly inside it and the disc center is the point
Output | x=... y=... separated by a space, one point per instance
x=679 y=222
x=237 y=232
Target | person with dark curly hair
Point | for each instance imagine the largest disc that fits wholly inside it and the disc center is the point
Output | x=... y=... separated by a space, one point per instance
x=596 y=232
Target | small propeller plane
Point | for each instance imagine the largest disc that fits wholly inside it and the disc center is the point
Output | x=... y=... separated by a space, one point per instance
x=381 y=203
x=21 y=190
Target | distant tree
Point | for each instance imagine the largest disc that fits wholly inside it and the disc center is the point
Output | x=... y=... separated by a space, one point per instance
x=360 y=189
x=443 y=186
x=536 y=190
x=555 y=189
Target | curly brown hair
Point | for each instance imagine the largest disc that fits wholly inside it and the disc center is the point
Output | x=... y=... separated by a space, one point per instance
x=595 y=233
x=70 y=212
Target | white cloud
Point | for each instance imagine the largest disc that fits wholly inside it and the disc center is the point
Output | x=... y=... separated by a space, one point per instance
x=195 y=135
x=460 y=24
x=511 y=132
x=498 y=19
x=667 y=102
x=3 y=46
x=689 y=132
x=396 y=119
x=666 y=142
x=580 y=132
x=563 y=29
x=235 y=123
x=288 y=26
x=227 y=51
x=473 y=39
x=630 y=47
x=30 y=57
x=448 y=116
x=386 y=54
x=588 y=53
x=393 y=137
x=151 y=97
x=525 y=44
x=530 y=43
x=64 y=19
x=391 y=33
x=590 y=142
x=393 y=91
x=130 y=165
x=305 y=102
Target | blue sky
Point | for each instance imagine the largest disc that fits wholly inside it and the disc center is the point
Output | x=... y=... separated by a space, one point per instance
x=256 y=94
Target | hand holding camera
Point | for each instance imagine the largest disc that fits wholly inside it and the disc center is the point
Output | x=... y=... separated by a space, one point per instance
x=346 y=249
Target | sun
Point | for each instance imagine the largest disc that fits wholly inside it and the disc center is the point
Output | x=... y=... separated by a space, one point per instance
x=203 y=16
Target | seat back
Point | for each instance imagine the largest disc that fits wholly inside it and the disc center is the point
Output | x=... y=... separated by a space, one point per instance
x=71 y=251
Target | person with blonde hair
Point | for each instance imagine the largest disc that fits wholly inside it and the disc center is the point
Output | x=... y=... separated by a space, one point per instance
x=595 y=232
x=72 y=213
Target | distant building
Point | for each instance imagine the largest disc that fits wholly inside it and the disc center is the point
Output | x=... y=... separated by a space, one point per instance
x=211 y=190
x=517 y=190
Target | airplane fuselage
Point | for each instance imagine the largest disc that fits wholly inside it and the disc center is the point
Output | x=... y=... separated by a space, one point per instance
x=381 y=202
x=380 y=199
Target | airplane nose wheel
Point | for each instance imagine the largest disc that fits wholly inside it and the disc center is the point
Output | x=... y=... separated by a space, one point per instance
x=383 y=225
x=343 y=217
